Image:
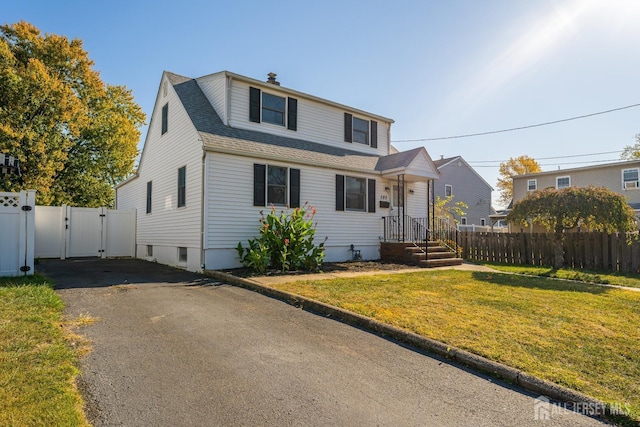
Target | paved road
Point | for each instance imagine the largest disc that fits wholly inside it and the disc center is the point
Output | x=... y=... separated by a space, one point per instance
x=175 y=348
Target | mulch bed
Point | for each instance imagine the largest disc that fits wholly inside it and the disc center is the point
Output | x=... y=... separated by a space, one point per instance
x=327 y=267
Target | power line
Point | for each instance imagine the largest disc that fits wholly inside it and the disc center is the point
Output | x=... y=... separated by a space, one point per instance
x=554 y=164
x=518 y=128
x=549 y=158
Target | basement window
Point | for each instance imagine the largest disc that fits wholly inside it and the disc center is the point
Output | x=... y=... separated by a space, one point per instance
x=182 y=255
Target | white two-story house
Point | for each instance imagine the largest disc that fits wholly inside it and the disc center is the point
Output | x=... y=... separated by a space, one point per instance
x=223 y=147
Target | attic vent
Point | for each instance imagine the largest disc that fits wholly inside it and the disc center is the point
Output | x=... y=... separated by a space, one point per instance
x=272 y=79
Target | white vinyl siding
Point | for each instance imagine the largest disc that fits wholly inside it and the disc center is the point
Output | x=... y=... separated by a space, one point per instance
x=416 y=202
x=316 y=122
x=231 y=218
x=168 y=227
x=214 y=88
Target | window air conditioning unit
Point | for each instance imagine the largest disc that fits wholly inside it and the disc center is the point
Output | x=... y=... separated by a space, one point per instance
x=630 y=184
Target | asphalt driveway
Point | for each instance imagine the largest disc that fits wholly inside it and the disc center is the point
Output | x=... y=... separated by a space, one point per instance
x=176 y=348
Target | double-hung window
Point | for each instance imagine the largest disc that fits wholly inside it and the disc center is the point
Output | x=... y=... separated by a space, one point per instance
x=273 y=109
x=448 y=190
x=267 y=107
x=563 y=182
x=630 y=179
x=532 y=185
x=355 y=194
x=276 y=185
x=360 y=130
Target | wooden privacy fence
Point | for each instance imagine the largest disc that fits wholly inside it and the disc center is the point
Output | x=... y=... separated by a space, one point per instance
x=616 y=252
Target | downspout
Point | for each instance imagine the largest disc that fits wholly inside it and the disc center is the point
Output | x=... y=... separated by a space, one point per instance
x=203 y=198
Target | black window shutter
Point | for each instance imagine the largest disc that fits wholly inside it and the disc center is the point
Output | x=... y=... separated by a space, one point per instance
x=339 y=192
x=374 y=134
x=254 y=104
x=371 y=197
x=294 y=188
x=348 y=127
x=292 y=114
x=259 y=181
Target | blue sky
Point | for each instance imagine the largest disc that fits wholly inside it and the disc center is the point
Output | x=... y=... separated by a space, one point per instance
x=438 y=68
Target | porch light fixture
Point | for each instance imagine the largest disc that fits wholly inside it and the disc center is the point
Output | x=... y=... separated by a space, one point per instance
x=387 y=189
x=411 y=191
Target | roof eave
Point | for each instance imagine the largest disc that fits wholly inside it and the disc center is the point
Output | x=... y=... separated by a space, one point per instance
x=268 y=156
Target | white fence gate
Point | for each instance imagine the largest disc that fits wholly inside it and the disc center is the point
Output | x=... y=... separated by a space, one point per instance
x=17 y=233
x=67 y=232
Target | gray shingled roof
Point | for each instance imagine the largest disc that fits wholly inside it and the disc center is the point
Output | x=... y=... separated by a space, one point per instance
x=216 y=136
x=397 y=160
x=441 y=162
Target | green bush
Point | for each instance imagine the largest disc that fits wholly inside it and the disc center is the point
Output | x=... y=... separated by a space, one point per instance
x=285 y=242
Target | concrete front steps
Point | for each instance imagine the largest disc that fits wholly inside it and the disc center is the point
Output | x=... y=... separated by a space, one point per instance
x=436 y=256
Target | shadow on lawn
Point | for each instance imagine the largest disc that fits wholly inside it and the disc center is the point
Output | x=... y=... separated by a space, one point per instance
x=533 y=282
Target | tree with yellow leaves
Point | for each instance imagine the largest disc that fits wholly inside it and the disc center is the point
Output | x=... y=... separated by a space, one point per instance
x=74 y=136
x=512 y=167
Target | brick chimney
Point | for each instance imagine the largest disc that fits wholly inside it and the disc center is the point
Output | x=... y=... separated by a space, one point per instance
x=272 y=79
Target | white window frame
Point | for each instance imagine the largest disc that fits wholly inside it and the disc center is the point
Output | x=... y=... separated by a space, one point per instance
x=346 y=197
x=463 y=220
x=535 y=184
x=262 y=108
x=367 y=137
x=286 y=186
x=483 y=222
x=450 y=187
x=636 y=186
x=558 y=178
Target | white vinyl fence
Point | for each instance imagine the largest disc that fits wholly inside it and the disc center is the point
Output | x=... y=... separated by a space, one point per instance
x=68 y=232
x=17 y=233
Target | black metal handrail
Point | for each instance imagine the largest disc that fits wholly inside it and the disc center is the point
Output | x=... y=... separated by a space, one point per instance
x=407 y=229
x=447 y=234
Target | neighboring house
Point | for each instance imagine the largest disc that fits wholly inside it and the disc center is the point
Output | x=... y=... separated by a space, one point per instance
x=459 y=179
x=621 y=177
x=223 y=148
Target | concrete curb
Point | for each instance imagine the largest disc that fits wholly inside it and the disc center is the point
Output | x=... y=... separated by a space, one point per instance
x=473 y=361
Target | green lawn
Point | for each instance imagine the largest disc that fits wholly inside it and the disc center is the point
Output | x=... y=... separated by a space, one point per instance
x=579 y=335
x=619 y=279
x=37 y=365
